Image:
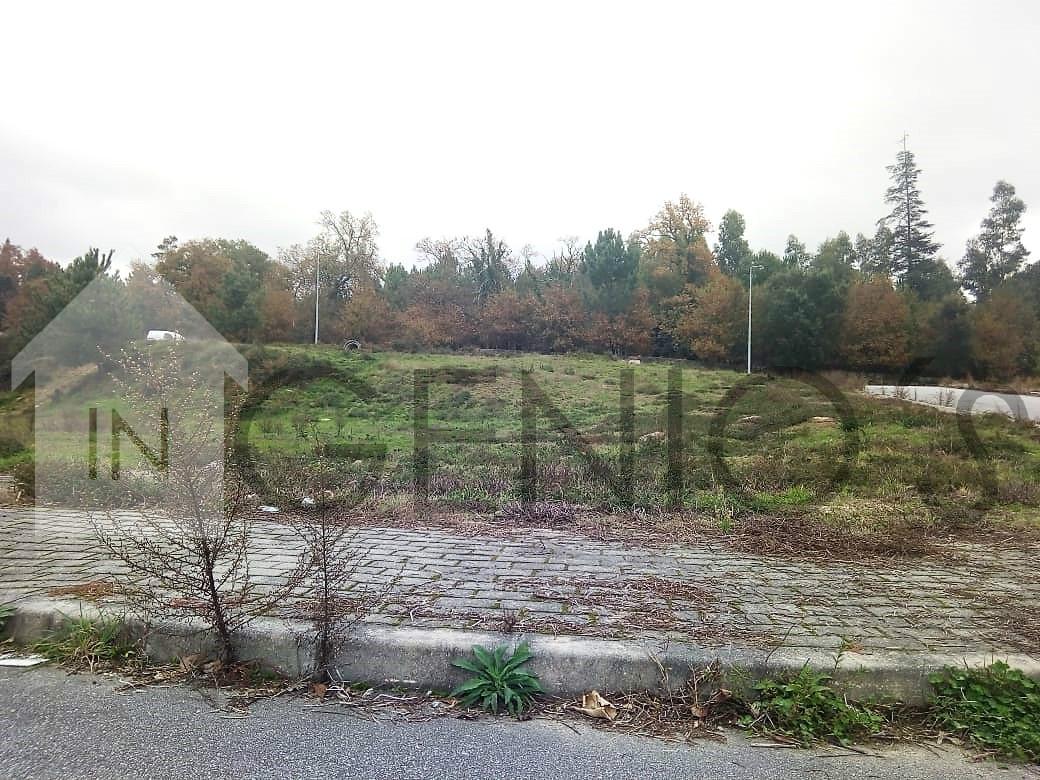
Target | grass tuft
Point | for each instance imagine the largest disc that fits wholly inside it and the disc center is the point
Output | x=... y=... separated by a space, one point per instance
x=88 y=643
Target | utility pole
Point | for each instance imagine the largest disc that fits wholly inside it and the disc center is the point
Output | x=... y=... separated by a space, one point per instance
x=750 y=277
x=317 y=263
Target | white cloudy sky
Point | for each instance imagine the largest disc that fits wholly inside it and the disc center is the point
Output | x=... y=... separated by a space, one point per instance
x=121 y=124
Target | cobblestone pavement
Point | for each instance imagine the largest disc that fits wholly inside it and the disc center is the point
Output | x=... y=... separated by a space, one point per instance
x=548 y=582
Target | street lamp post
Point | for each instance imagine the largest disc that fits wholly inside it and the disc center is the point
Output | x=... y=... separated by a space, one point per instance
x=750 y=277
x=317 y=263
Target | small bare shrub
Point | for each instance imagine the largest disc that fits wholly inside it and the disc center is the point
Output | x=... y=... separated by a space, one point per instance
x=331 y=604
x=186 y=552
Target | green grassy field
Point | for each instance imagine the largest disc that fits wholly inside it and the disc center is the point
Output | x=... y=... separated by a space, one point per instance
x=770 y=446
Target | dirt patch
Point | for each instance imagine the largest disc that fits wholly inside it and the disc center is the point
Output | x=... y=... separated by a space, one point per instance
x=94 y=590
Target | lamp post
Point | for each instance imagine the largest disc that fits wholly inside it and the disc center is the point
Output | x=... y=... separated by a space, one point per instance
x=317 y=263
x=750 y=277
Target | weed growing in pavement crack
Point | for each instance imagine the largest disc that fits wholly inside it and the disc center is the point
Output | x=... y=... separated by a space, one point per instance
x=498 y=681
x=89 y=642
x=807 y=709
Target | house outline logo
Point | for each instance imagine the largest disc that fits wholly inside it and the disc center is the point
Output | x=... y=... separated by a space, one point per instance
x=82 y=347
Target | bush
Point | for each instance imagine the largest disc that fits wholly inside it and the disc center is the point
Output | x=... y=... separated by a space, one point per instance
x=345 y=450
x=996 y=708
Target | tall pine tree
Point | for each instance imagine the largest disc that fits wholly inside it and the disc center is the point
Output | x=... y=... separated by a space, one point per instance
x=913 y=250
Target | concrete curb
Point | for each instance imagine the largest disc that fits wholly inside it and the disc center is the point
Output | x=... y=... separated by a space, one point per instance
x=566 y=665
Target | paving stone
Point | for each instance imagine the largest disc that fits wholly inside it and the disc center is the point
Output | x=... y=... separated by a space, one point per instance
x=913 y=606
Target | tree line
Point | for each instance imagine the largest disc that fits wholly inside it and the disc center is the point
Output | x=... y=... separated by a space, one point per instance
x=879 y=303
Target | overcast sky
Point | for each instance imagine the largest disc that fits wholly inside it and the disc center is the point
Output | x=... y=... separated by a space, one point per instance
x=121 y=124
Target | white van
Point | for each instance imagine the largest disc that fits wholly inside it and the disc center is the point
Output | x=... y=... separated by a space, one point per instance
x=164 y=335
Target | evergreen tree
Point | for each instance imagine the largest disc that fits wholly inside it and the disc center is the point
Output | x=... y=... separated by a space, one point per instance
x=1027 y=282
x=997 y=252
x=242 y=289
x=801 y=318
x=611 y=266
x=912 y=242
x=395 y=285
x=490 y=264
x=165 y=247
x=530 y=282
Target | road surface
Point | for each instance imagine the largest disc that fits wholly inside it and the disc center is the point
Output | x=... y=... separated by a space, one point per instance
x=1019 y=407
x=60 y=726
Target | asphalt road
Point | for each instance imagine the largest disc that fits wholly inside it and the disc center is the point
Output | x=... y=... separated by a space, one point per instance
x=60 y=726
x=1020 y=407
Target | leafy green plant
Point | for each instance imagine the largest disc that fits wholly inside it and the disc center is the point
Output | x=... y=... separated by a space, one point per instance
x=997 y=708
x=805 y=708
x=89 y=642
x=498 y=680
